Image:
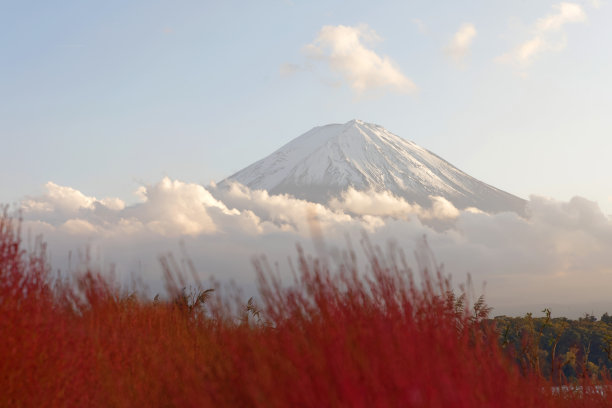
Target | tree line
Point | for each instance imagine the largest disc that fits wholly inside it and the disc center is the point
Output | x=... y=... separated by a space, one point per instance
x=559 y=348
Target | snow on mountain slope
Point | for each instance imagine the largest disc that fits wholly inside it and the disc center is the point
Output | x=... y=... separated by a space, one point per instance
x=326 y=160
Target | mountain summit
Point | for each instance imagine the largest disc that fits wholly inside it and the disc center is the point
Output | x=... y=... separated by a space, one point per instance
x=327 y=160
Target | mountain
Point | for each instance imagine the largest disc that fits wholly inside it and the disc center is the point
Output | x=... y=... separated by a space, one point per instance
x=326 y=160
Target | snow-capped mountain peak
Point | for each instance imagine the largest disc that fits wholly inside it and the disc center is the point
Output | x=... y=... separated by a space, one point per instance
x=329 y=159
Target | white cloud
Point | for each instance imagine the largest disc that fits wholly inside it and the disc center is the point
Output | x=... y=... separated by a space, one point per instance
x=78 y=227
x=61 y=199
x=58 y=198
x=280 y=211
x=385 y=204
x=169 y=208
x=560 y=254
x=547 y=35
x=459 y=46
x=342 y=47
x=441 y=208
x=176 y=208
x=374 y=203
x=113 y=203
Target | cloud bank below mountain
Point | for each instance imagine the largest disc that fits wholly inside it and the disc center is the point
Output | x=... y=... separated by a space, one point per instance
x=559 y=254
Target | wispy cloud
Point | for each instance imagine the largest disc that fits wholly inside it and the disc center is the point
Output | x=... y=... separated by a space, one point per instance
x=595 y=3
x=420 y=25
x=459 y=46
x=344 y=50
x=289 y=69
x=547 y=35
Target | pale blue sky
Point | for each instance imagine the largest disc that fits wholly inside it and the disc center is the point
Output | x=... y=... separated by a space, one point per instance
x=101 y=96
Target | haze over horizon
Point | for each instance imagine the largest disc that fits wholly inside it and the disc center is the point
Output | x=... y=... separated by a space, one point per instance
x=117 y=117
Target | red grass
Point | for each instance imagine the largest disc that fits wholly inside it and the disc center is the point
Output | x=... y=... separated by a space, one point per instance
x=338 y=339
